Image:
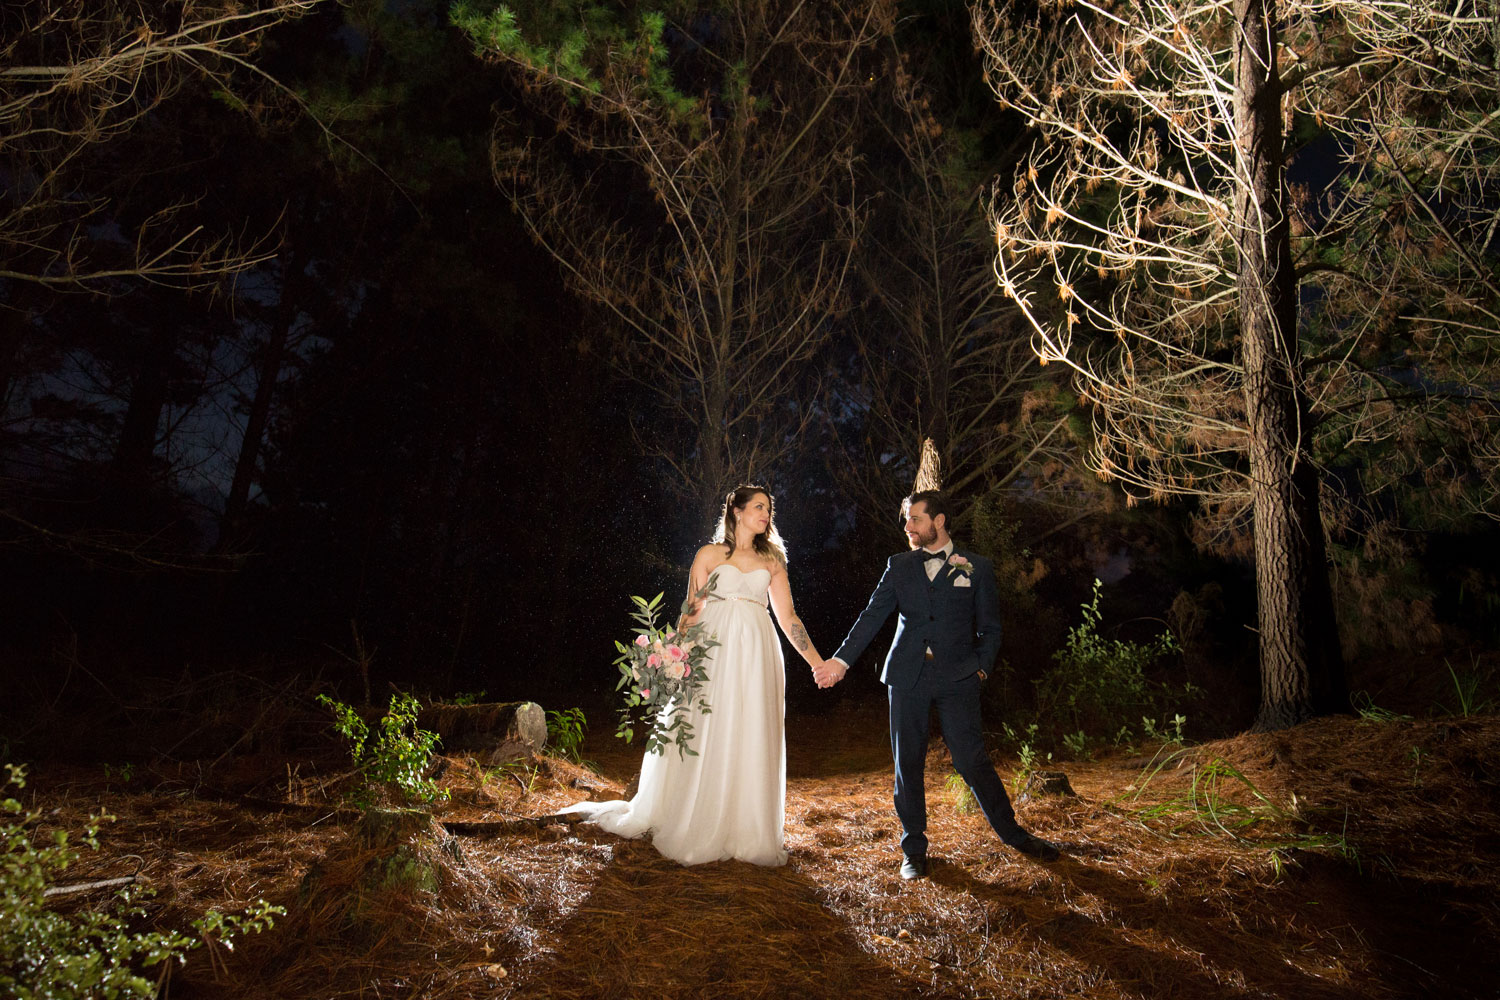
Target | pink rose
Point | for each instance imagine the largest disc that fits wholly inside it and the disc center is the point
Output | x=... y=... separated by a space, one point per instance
x=646 y=693
x=641 y=640
x=676 y=653
x=957 y=560
x=653 y=660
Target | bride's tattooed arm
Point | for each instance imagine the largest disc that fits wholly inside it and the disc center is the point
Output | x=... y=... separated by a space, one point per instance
x=798 y=634
x=791 y=625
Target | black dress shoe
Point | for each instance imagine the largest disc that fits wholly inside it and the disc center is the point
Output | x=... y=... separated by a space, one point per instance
x=1036 y=847
x=913 y=868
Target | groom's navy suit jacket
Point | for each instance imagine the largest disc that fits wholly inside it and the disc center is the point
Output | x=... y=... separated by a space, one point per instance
x=960 y=624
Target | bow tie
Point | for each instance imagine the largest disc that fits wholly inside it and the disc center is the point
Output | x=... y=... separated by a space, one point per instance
x=926 y=556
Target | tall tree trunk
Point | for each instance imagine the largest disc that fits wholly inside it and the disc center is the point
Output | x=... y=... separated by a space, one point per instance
x=136 y=446
x=14 y=323
x=712 y=465
x=267 y=374
x=1300 y=663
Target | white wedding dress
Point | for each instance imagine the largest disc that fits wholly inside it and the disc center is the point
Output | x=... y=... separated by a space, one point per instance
x=729 y=800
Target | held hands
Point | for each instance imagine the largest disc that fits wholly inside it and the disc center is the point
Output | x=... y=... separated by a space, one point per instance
x=828 y=673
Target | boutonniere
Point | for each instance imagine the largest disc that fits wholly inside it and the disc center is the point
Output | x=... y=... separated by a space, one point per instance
x=961 y=564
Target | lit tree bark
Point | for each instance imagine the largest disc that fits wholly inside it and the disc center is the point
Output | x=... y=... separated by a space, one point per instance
x=1301 y=666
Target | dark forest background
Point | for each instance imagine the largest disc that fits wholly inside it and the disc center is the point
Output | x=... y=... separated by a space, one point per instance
x=386 y=429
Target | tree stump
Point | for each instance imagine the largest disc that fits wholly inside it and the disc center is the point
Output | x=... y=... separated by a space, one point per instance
x=1040 y=783
x=385 y=829
x=495 y=732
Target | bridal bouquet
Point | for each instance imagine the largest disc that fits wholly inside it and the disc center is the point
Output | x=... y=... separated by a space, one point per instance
x=661 y=670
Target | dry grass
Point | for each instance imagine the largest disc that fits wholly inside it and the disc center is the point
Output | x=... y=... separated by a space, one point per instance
x=1133 y=910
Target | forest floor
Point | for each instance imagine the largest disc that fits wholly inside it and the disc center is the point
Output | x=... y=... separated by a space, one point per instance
x=1343 y=858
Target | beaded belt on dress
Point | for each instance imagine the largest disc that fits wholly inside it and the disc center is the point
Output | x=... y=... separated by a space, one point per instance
x=737 y=597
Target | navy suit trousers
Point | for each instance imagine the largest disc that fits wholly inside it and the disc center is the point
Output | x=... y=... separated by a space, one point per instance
x=957 y=704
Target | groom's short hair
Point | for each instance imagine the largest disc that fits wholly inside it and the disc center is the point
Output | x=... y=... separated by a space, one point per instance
x=935 y=501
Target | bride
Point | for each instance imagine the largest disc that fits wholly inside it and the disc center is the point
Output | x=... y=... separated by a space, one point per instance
x=729 y=800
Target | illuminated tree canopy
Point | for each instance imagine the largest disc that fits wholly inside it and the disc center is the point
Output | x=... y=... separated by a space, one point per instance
x=1260 y=236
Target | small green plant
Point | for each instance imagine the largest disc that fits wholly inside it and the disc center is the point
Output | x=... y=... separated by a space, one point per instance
x=1370 y=712
x=1417 y=755
x=46 y=955
x=1097 y=683
x=1077 y=744
x=1027 y=761
x=565 y=733
x=1168 y=732
x=1018 y=738
x=124 y=773
x=963 y=796
x=1026 y=754
x=519 y=769
x=1466 y=689
x=397 y=758
x=468 y=697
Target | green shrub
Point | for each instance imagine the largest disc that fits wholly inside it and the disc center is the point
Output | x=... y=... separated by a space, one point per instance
x=963 y=796
x=396 y=760
x=95 y=954
x=1100 y=685
x=565 y=733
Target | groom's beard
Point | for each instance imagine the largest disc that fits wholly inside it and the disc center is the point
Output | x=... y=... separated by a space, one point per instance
x=920 y=541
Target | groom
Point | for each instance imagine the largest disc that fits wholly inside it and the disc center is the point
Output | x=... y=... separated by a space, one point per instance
x=946 y=639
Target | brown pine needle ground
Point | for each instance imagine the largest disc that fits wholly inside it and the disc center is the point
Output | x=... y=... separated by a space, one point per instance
x=1344 y=858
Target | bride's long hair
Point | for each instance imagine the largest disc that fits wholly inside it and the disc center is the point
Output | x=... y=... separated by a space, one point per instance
x=768 y=544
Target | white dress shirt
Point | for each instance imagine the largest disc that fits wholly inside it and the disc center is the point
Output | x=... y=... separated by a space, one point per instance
x=933 y=567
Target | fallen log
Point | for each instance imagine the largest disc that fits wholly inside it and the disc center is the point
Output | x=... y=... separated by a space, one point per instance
x=103 y=883
x=494 y=732
x=496 y=828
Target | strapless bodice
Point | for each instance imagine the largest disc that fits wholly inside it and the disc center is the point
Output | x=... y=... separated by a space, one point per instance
x=736 y=583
